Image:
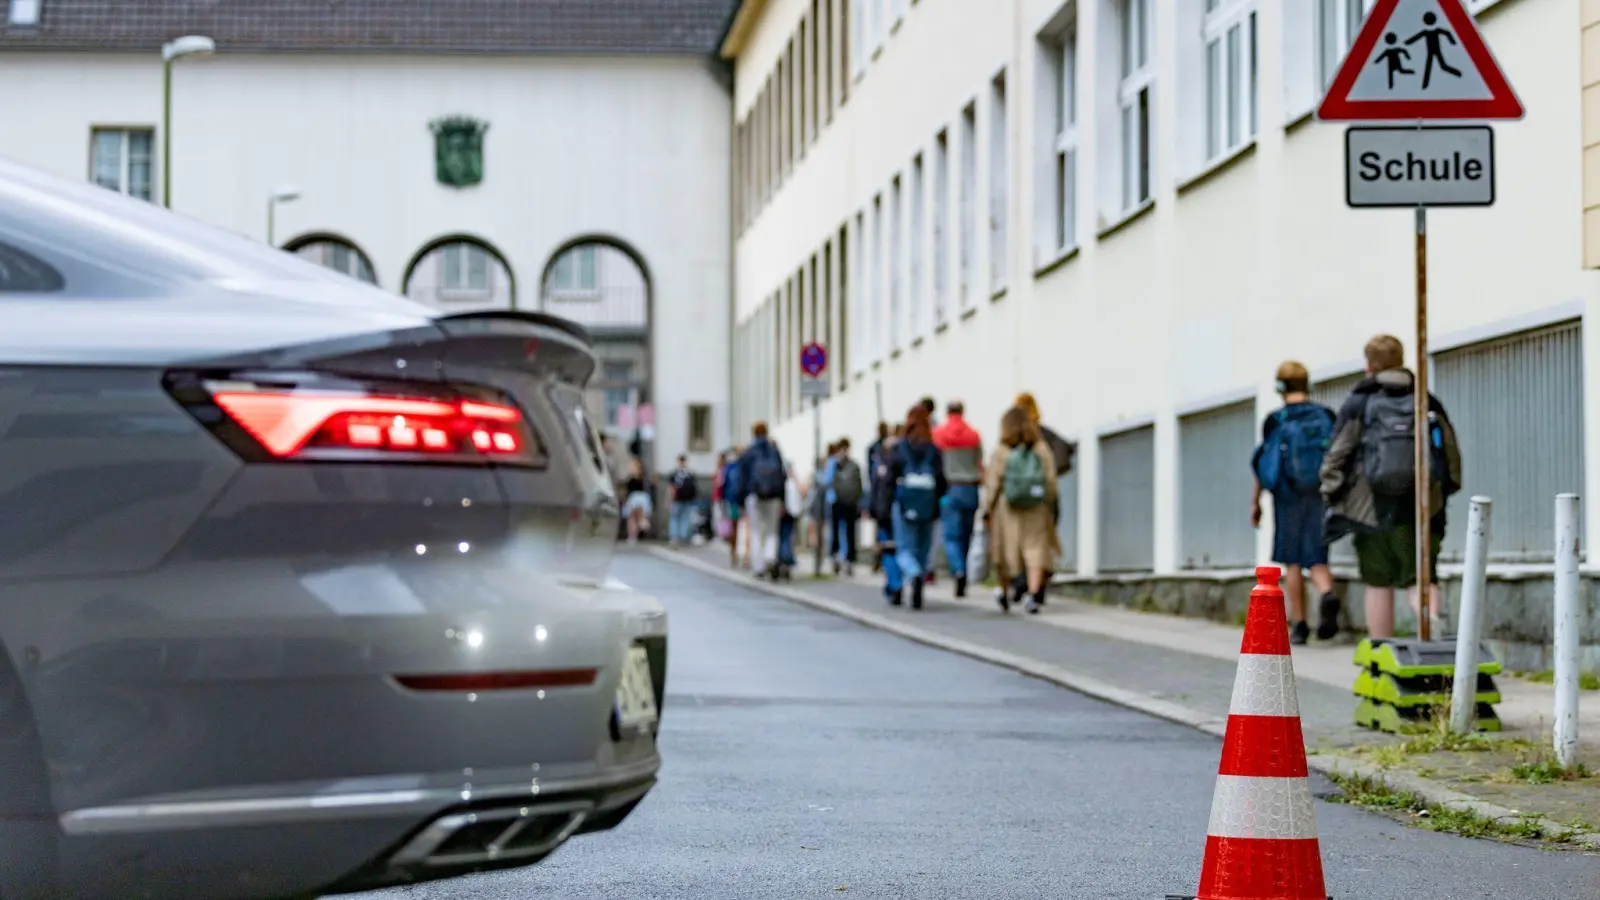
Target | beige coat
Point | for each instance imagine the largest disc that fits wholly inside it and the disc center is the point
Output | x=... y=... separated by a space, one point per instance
x=1020 y=539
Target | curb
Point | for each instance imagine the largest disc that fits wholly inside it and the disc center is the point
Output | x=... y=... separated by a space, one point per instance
x=1430 y=792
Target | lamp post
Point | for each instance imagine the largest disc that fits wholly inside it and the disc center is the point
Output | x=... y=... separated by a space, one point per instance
x=282 y=194
x=188 y=45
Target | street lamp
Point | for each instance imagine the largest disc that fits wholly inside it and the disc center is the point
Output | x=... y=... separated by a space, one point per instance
x=282 y=194
x=188 y=45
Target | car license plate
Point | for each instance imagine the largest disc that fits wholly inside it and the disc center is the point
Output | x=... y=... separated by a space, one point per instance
x=636 y=695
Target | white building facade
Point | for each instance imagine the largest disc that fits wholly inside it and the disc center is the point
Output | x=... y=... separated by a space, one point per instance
x=600 y=193
x=1127 y=208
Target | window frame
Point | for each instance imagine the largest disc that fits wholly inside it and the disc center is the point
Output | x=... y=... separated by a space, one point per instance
x=575 y=289
x=466 y=291
x=1135 y=106
x=699 y=438
x=941 y=226
x=1329 y=55
x=999 y=183
x=967 y=231
x=1066 y=145
x=125 y=166
x=1229 y=48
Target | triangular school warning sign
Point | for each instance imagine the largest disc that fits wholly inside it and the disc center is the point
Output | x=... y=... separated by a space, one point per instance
x=1419 y=60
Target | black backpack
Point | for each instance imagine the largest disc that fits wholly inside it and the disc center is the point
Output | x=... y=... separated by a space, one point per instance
x=1389 y=445
x=847 y=486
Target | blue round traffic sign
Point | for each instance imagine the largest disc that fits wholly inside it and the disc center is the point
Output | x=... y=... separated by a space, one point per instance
x=813 y=359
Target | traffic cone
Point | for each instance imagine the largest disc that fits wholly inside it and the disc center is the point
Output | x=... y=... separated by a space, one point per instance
x=1262 y=841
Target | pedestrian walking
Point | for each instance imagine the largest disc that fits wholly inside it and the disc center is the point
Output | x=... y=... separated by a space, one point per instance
x=847 y=489
x=731 y=497
x=1064 y=452
x=962 y=450
x=1020 y=493
x=685 y=500
x=884 y=526
x=1368 y=481
x=763 y=476
x=638 y=506
x=794 y=508
x=916 y=471
x=936 y=555
x=1288 y=464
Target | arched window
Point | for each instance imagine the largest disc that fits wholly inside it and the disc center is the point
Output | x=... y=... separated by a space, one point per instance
x=599 y=284
x=335 y=253
x=461 y=271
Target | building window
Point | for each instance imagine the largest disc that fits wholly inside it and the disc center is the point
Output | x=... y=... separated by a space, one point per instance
x=699 y=428
x=999 y=186
x=1229 y=33
x=856 y=268
x=1338 y=23
x=941 y=225
x=1133 y=102
x=463 y=269
x=339 y=257
x=121 y=160
x=575 y=272
x=1057 y=141
x=969 y=199
x=898 y=8
x=24 y=13
x=616 y=376
x=858 y=37
x=918 y=234
x=896 y=284
x=875 y=306
x=880 y=23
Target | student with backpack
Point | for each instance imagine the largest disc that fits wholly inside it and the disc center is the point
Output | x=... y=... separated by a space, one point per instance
x=762 y=477
x=1019 y=508
x=846 y=489
x=1369 y=482
x=916 y=477
x=1288 y=464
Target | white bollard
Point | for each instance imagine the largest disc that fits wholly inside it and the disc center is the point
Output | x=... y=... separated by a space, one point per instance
x=1566 y=630
x=1463 y=702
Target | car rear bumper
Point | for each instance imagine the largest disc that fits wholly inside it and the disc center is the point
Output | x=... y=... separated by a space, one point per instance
x=303 y=844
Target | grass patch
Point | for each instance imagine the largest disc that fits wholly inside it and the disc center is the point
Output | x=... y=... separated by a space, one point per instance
x=1547 y=771
x=1587 y=681
x=1375 y=795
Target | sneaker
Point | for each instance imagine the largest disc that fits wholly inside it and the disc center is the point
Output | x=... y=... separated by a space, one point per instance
x=961 y=586
x=837 y=568
x=916 y=594
x=1033 y=604
x=1299 y=633
x=1003 y=599
x=895 y=597
x=1328 y=617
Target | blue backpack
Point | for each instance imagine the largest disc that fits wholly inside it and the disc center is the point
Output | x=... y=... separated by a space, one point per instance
x=918 y=485
x=1291 y=460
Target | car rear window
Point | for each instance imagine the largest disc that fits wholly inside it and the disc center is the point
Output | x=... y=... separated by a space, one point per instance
x=23 y=273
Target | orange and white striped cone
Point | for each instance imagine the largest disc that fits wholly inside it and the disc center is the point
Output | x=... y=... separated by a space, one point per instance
x=1262 y=841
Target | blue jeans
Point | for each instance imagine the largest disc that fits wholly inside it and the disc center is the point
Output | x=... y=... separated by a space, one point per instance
x=891 y=565
x=786 y=541
x=913 y=541
x=681 y=526
x=960 y=508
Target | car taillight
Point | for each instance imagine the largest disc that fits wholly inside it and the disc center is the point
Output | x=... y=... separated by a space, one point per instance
x=329 y=419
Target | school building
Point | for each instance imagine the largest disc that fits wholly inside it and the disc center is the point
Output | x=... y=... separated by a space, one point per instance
x=1128 y=208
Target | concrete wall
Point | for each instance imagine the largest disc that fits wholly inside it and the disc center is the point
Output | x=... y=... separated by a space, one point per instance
x=632 y=149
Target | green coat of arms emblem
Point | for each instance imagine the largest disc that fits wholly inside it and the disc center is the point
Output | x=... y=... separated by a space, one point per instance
x=458 y=150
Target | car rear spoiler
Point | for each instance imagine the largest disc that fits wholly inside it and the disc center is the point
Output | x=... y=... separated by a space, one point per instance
x=474 y=320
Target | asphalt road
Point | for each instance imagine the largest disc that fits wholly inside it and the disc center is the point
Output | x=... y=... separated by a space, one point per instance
x=810 y=757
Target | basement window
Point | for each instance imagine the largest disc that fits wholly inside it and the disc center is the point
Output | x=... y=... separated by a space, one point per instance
x=24 y=12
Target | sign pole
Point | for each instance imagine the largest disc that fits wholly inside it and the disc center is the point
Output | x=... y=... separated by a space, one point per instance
x=816 y=479
x=1424 y=435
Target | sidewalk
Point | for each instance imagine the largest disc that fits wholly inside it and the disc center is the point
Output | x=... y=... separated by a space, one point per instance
x=1183 y=669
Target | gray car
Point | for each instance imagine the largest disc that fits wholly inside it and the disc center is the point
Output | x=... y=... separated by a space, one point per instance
x=302 y=585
